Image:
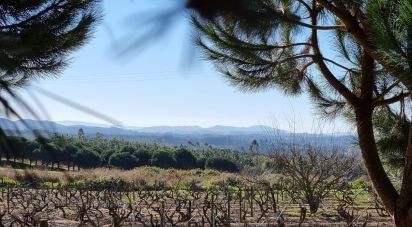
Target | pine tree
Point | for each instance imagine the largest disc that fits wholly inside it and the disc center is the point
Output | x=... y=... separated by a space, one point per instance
x=36 y=38
x=392 y=131
x=264 y=44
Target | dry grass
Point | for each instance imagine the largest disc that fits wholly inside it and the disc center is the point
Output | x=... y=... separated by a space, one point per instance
x=142 y=175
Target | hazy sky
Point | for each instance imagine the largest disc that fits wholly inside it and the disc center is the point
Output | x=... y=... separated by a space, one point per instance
x=161 y=82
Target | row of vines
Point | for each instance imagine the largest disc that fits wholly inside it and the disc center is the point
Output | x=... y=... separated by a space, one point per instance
x=259 y=205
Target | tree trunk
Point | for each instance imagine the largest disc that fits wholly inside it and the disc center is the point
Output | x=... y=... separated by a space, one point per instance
x=403 y=214
x=403 y=217
x=380 y=180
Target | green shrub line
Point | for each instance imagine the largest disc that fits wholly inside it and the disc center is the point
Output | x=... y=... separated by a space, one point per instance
x=79 y=152
x=119 y=184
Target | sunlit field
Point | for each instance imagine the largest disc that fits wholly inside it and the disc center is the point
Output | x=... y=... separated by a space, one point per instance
x=149 y=196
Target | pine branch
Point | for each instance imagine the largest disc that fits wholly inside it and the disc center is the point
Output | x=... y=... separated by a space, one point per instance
x=326 y=72
x=339 y=65
x=352 y=26
x=311 y=26
x=391 y=100
x=386 y=91
x=308 y=8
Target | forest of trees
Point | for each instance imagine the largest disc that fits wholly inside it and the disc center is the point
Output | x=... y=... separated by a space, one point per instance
x=75 y=152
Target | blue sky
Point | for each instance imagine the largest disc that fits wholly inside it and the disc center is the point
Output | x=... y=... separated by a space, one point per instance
x=163 y=82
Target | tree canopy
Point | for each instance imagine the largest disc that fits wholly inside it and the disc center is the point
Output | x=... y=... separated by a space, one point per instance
x=364 y=68
x=123 y=160
x=71 y=151
x=36 y=38
x=184 y=159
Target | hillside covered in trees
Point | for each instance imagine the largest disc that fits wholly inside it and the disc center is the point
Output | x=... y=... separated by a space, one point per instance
x=236 y=138
x=80 y=151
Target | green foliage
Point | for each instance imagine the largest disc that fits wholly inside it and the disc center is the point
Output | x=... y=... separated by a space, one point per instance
x=128 y=149
x=89 y=152
x=392 y=137
x=144 y=157
x=104 y=183
x=184 y=159
x=163 y=159
x=221 y=164
x=287 y=46
x=87 y=158
x=15 y=147
x=68 y=152
x=105 y=156
x=36 y=39
x=394 y=18
x=361 y=183
x=123 y=160
x=62 y=25
x=28 y=179
x=273 y=51
x=272 y=44
x=200 y=163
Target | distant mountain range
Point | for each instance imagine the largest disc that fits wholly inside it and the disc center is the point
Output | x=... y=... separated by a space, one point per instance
x=71 y=127
x=220 y=136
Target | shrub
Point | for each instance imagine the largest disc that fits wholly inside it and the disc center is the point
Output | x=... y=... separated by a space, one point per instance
x=123 y=160
x=128 y=149
x=200 y=163
x=185 y=159
x=28 y=178
x=144 y=157
x=221 y=164
x=87 y=158
x=104 y=183
x=361 y=183
x=163 y=159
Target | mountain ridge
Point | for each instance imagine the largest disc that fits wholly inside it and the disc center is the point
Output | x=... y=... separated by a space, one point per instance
x=29 y=124
x=218 y=136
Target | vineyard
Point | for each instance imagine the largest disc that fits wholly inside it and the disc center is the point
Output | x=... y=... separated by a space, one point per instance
x=252 y=205
x=297 y=194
